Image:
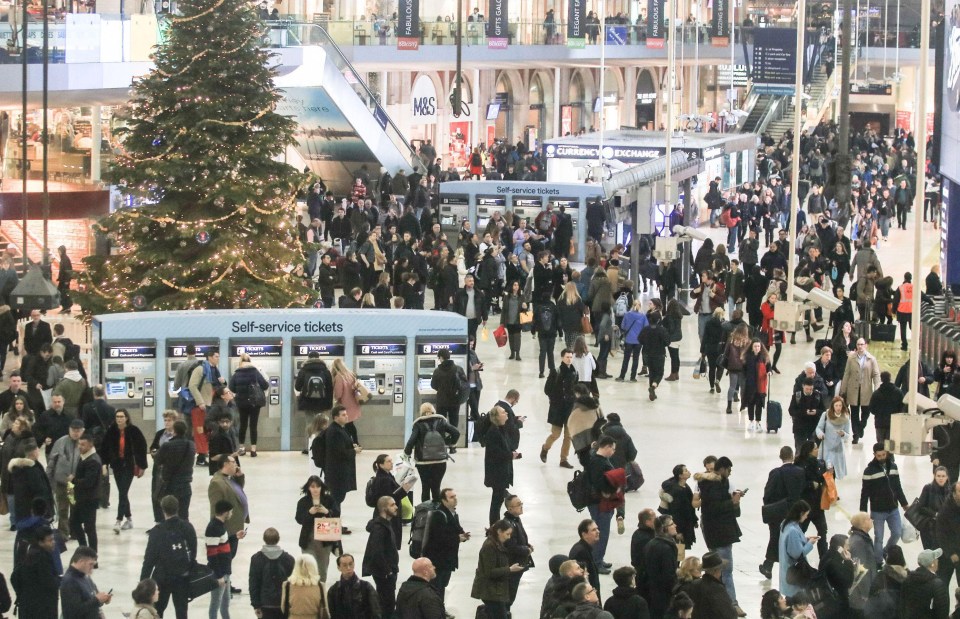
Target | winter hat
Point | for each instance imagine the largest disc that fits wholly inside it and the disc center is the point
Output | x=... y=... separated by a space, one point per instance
x=555 y=562
x=927 y=557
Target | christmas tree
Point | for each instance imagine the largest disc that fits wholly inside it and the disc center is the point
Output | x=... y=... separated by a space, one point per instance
x=212 y=221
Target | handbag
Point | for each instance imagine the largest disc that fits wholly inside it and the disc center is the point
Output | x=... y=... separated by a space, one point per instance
x=327 y=529
x=800 y=573
x=104 y=490
x=500 y=335
x=829 y=496
x=526 y=317
x=200 y=581
x=362 y=393
x=406 y=509
x=585 y=327
x=258 y=396
x=915 y=515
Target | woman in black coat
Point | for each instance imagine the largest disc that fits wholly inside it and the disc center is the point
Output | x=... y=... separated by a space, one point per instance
x=756 y=365
x=41 y=584
x=383 y=484
x=124 y=449
x=497 y=461
x=710 y=349
x=350 y=273
x=808 y=458
x=946 y=370
x=243 y=384
x=676 y=499
x=839 y=570
x=932 y=498
x=317 y=502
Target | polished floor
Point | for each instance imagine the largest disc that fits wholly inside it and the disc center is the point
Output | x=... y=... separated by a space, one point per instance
x=685 y=424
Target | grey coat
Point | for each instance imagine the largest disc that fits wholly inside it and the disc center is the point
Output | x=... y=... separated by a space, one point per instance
x=63 y=459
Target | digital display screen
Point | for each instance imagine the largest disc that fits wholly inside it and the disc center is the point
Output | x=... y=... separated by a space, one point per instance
x=493 y=110
x=179 y=351
x=775 y=56
x=370 y=384
x=566 y=202
x=491 y=201
x=116 y=388
x=455 y=348
x=130 y=352
x=448 y=220
x=455 y=199
x=324 y=350
x=423 y=384
x=482 y=222
x=256 y=350
x=527 y=202
x=950 y=102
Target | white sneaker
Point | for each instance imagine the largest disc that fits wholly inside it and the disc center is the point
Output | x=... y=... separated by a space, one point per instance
x=116 y=527
x=127 y=525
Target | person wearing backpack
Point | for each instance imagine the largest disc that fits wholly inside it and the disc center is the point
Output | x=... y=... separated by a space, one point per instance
x=269 y=568
x=203 y=378
x=547 y=326
x=36 y=580
x=171 y=550
x=249 y=387
x=450 y=382
x=429 y=438
x=314 y=386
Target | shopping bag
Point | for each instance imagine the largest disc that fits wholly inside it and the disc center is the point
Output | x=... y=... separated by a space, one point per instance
x=829 y=495
x=47 y=395
x=500 y=335
x=406 y=509
x=484 y=335
x=327 y=529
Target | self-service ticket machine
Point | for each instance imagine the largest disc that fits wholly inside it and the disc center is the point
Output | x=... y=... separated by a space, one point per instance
x=129 y=376
x=426 y=360
x=571 y=209
x=528 y=209
x=486 y=207
x=266 y=356
x=176 y=356
x=380 y=365
x=329 y=351
x=454 y=208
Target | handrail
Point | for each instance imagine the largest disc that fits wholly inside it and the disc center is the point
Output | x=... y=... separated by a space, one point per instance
x=775 y=111
x=372 y=102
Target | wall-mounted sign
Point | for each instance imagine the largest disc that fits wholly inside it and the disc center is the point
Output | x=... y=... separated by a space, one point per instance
x=497 y=24
x=378 y=349
x=324 y=350
x=423 y=101
x=130 y=352
x=408 y=25
x=256 y=350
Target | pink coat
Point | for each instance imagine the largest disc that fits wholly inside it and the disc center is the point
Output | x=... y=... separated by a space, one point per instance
x=345 y=394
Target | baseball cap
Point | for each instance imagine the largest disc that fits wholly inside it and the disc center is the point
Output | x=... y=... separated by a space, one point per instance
x=77 y=424
x=927 y=557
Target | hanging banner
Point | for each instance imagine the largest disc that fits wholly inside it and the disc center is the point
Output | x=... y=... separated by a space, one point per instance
x=408 y=25
x=497 y=24
x=656 y=24
x=576 y=25
x=423 y=110
x=720 y=23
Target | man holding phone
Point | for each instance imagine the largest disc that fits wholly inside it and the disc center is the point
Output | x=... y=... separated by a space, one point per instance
x=79 y=597
x=720 y=509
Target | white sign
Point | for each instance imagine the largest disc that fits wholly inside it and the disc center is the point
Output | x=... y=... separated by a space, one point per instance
x=423 y=102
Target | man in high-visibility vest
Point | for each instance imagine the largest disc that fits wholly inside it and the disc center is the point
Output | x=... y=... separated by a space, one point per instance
x=904 y=303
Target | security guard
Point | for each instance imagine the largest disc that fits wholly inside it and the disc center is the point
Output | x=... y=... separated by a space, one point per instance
x=904 y=302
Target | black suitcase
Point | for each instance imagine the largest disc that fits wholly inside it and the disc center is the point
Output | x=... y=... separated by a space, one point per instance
x=883 y=333
x=818 y=346
x=774 y=416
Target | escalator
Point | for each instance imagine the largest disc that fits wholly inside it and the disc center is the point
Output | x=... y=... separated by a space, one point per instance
x=752 y=122
x=344 y=133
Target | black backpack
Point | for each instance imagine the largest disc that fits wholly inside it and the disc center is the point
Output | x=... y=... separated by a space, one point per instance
x=423 y=515
x=579 y=491
x=315 y=388
x=318 y=450
x=481 y=428
x=433 y=447
x=368 y=494
x=174 y=552
x=463 y=387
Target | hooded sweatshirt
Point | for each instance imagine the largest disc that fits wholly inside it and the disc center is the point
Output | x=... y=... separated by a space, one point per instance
x=71 y=388
x=269 y=568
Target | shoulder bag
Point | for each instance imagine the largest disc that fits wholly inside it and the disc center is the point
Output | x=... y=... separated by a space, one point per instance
x=362 y=393
x=800 y=573
x=915 y=516
x=200 y=581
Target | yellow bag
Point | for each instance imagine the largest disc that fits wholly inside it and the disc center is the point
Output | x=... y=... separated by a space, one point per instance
x=484 y=336
x=406 y=508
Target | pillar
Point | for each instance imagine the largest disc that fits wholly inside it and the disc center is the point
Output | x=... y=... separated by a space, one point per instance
x=96 y=135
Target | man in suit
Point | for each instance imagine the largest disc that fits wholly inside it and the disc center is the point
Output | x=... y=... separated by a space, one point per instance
x=227 y=485
x=582 y=551
x=784 y=487
x=36 y=333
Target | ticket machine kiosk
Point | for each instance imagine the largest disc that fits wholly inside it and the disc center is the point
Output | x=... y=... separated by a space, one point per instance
x=454 y=208
x=329 y=351
x=129 y=377
x=176 y=355
x=571 y=209
x=486 y=207
x=427 y=361
x=528 y=209
x=266 y=356
x=380 y=365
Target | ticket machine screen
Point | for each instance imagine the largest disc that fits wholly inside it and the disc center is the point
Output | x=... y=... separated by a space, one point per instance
x=116 y=389
x=423 y=384
x=370 y=384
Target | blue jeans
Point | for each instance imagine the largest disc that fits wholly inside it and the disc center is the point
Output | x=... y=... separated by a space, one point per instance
x=702 y=320
x=726 y=553
x=603 y=522
x=732 y=238
x=891 y=518
x=220 y=600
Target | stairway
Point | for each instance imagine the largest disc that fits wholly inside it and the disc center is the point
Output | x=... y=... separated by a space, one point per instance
x=816 y=90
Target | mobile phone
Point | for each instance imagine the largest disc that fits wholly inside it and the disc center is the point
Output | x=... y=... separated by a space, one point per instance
x=744 y=491
x=110 y=592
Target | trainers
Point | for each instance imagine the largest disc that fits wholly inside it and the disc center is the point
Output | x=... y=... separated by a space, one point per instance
x=127 y=525
x=543 y=455
x=116 y=527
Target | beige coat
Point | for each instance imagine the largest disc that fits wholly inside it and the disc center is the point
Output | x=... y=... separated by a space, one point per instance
x=858 y=384
x=305 y=601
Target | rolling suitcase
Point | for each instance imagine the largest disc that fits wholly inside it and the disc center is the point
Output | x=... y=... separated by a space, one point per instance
x=883 y=333
x=818 y=346
x=774 y=410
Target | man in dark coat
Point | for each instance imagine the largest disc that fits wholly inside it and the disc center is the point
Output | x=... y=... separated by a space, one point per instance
x=887 y=400
x=447 y=380
x=38 y=580
x=418 y=597
x=36 y=333
x=443 y=544
x=783 y=488
x=948 y=534
x=269 y=569
x=78 y=593
x=381 y=559
x=582 y=551
x=28 y=479
x=160 y=560
x=350 y=597
x=33 y=372
x=923 y=595
x=174 y=460
x=563 y=233
x=340 y=466
x=625 y=601
x=881 y=489
x=660 y=558
x=518 y=546
x=806 y=407
x=498 y=460
x=709 y=594
x=559 y=390
x=596 y=217
x=638 y=544
x=720 y=509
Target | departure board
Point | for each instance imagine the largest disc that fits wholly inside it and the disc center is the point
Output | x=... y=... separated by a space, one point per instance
x=774 y=56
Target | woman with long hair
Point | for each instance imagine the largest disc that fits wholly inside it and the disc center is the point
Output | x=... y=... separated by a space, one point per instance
x=303 y=595
x=13 y=447
x=145 y=595
x=491 y=584
x=19 y=407
x=571 y=309
x=124 y=449
x=833 y=429
x=672 y=323
x=844 y=342
x=585 y=364
x=317 y=502
x=513 y=305
x=943 y=375
x=773 y=339
x=244 y=383
x=794 y=545
x=430 y=467
x=773 y=605
x=840 y=266
x=808 y=458
x=733 y=353
x=678 y=500
x=381 y=293
x=345 y=394
x=756 y=364
x=498 y=457
x=383 y=484
x=690 y=571
x=932 y=498
x=710 y=348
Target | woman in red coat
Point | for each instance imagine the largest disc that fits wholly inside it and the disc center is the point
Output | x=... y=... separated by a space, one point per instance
x=769 y=337
x=756 y=362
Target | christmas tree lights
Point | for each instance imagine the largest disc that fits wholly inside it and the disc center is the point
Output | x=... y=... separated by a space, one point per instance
x=213 y=226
